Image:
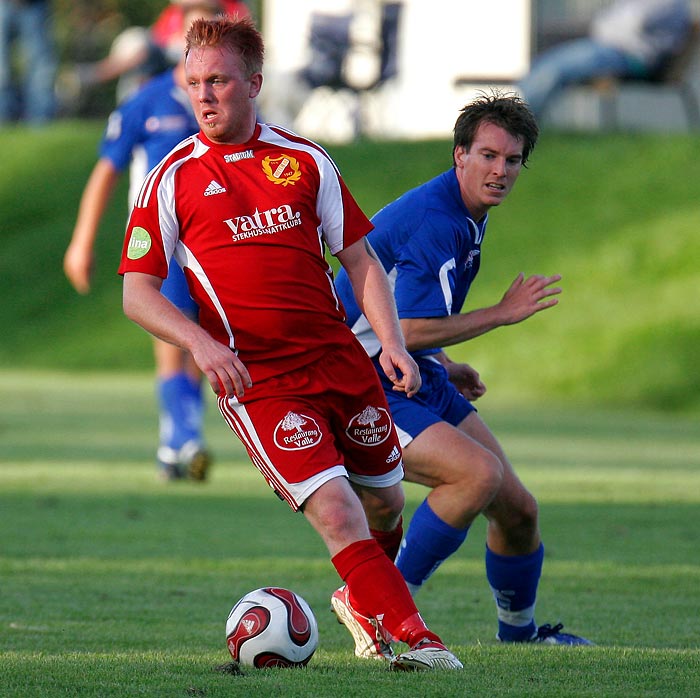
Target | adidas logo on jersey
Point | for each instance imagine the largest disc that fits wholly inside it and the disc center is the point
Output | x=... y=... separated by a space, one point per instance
x=394 y=455
x=214 y=188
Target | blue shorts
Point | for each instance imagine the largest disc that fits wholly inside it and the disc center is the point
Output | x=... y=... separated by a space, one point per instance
x=175 y=289
x=437 y=401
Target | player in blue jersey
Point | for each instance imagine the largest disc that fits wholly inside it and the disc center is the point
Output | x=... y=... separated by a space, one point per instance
x=429 y=242
x=139 y=133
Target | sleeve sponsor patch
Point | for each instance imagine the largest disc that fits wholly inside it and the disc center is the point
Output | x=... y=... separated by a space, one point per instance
x=139 y=243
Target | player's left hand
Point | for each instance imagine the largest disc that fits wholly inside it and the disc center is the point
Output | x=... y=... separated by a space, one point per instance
x=401 y=370
x=78 y=263
x=466 y=380
x=527 y=296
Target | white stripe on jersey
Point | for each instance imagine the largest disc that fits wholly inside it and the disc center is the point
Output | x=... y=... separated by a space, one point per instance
x=163 y=175
x=184 y=257
x=147 y=188
x=295 y=137
x=138 y=169
x=445 y=283
x=478 y=230
x=329 y=202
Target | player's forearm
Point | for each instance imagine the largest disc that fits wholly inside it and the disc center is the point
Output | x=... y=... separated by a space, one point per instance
x=378 y=306
x=431 y=333
x=145 y=305
x=96 y=196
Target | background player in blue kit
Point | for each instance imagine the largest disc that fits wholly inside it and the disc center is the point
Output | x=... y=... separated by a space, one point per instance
x=139 y=133
x=429 y=242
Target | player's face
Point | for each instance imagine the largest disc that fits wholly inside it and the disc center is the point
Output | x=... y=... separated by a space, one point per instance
x=488 y=170
x=222 y=95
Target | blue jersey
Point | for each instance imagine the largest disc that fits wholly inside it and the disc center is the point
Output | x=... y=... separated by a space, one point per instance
x=147 y=126
x=140 y=133
x=430 y=247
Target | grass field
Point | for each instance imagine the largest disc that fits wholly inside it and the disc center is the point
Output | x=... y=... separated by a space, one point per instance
x=115 y=584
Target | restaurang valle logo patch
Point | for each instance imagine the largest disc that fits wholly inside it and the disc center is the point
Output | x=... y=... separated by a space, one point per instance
x=370 y=427
x=297 y=431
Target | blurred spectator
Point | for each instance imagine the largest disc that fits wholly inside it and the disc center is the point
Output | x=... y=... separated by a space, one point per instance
x=139 y=53
x=28 y=26
x=627 y=39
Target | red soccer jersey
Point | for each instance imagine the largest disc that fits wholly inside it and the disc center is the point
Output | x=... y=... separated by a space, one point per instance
x=249 y=224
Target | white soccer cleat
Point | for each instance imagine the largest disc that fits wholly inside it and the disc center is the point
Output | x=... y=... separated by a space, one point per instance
x=370 y=642
x=426 y=656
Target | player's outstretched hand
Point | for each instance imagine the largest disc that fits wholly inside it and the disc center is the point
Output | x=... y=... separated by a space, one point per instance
x=401 y=370
x=525 y=297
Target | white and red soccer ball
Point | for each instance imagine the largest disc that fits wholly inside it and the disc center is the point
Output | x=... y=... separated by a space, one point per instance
x=271 y=627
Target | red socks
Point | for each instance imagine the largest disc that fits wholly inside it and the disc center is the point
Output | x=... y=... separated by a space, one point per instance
x=389 y=541
x=377 y=590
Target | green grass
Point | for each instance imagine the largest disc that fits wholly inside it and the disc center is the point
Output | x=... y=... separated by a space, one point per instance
x=616 y=215
x=115 y=584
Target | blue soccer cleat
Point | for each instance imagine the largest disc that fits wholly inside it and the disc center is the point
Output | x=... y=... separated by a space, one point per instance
x=552 y=635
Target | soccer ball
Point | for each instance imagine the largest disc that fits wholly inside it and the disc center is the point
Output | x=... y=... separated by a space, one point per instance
x=271 y=627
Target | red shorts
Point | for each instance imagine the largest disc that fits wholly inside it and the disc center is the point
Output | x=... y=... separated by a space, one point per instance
x=325 y=420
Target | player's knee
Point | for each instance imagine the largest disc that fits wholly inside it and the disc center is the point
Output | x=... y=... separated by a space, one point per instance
x=480 y=480
x=529 y=514
x=522 y=519
x=383 y=512
x=488 y=472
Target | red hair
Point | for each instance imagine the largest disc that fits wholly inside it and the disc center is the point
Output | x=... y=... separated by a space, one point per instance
x=237 y=34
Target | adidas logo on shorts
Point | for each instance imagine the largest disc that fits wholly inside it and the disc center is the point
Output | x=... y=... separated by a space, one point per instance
x=214 y=188
x=394 y=455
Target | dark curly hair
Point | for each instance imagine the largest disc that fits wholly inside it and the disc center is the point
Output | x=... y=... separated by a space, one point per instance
x=506 y=110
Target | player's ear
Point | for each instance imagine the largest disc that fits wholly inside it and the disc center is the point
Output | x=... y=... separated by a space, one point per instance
x=256 y=81
x=459 y=155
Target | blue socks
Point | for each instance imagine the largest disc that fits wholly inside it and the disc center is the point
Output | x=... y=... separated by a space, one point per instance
x=181 y=410
x=429 y=541
x=514 y=581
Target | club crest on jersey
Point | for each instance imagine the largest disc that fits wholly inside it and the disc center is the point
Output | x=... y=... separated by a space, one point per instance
x=296 y=432
x=370 y=427
x=283 y=169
